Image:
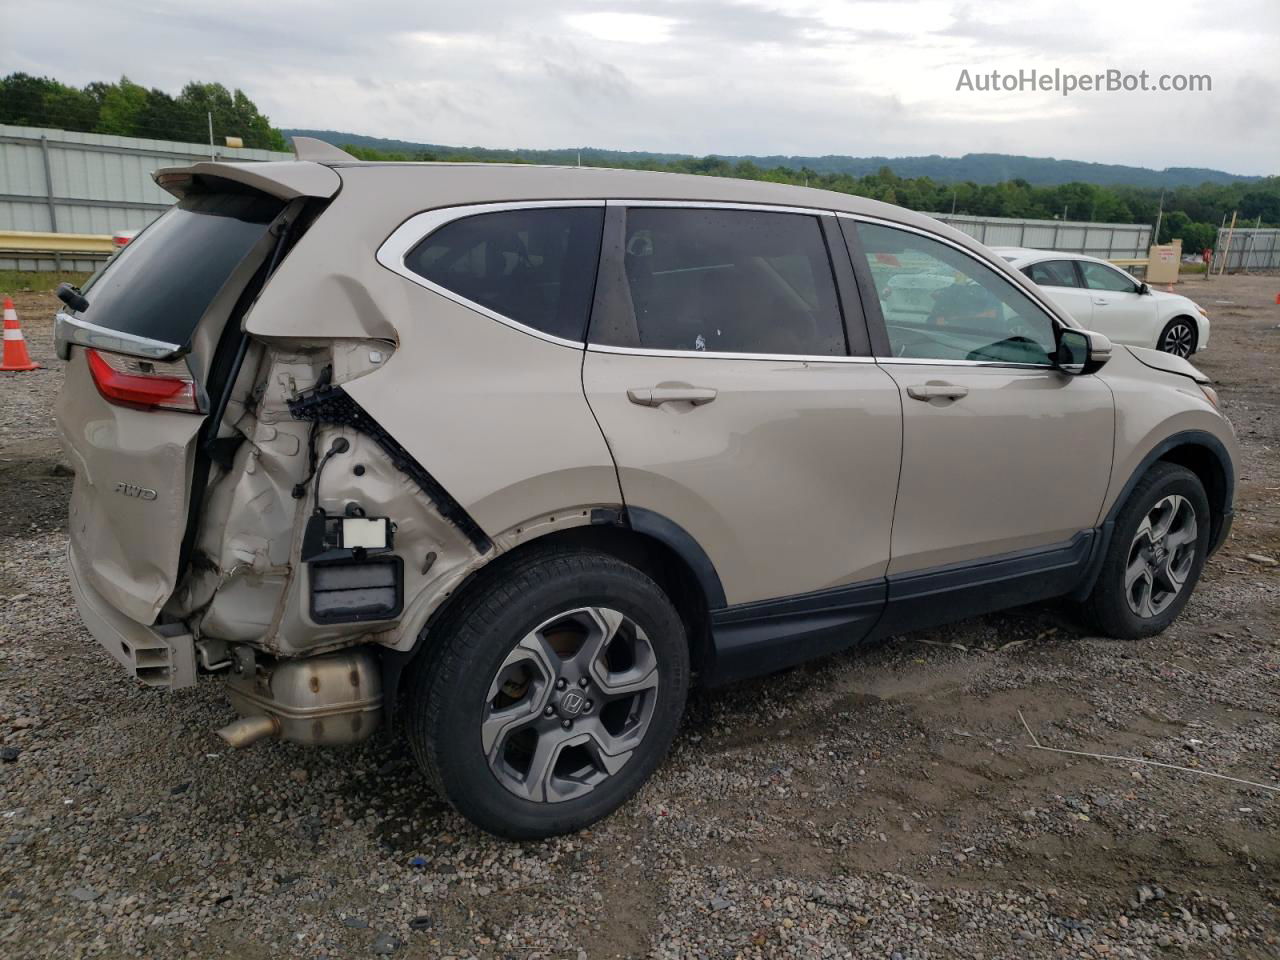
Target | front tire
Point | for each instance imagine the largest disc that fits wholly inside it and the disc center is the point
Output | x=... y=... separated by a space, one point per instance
x=550 y=694
x=1180 y=337
x=1156 y=554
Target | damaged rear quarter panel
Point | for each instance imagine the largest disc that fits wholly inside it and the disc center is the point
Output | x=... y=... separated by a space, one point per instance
x=496 y=416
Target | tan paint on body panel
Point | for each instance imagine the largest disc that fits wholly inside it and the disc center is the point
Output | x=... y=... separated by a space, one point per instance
x=1152 y=405
x=132 y=489
x=786 y=479
x=1023 y=460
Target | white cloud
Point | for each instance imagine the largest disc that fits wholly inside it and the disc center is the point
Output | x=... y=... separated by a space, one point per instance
x=858 y=77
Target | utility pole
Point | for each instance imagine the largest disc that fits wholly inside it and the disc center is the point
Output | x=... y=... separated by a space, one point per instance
x=212 y=155
x=953 y=201
x=1159 y=219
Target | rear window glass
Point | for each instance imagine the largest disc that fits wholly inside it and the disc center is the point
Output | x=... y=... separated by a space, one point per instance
x=160 y=285
x=1052 y=273
x=535 y=266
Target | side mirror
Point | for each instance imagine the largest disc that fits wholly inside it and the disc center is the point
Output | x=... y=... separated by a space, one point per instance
x=1143 y=288
x=1081 y=351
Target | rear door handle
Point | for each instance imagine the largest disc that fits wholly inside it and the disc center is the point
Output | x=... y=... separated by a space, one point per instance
x=657 y=396
x=933 y=391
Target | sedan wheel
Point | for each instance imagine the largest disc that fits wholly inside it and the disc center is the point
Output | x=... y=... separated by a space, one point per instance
x=1179 y=338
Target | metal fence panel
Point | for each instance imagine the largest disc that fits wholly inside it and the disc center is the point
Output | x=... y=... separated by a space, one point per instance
x=1251 y=249
x=1109 y=241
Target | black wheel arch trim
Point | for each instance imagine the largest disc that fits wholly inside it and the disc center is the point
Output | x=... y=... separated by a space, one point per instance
x=679 y=539
x=1220 y=525
x=1190 y=438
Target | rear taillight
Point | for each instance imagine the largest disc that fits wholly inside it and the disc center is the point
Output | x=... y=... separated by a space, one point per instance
x=144 y=384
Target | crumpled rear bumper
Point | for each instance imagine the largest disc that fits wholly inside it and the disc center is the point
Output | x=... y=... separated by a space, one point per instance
x=161 y=656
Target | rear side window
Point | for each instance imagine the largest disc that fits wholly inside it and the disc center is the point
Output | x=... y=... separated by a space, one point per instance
x=1053 y=273
x=1098 y=276
x=733 y=281
x=160 y=285
x=535 y=266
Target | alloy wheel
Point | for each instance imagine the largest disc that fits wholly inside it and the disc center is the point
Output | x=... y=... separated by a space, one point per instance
x=1161 y=556
x=570 y=704
x=1178 y=339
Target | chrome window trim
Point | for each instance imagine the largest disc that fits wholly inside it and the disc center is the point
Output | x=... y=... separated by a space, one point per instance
x=1034 y=298
x=922 y=362
x=725 y=355
x=393 y=251
x=720 y=205
x=68 y=330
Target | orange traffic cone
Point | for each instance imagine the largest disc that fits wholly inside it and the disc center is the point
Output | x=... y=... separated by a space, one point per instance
x=15 y=347
x=1278 y=298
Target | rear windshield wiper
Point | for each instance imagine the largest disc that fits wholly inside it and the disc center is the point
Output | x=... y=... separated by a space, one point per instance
x=72 y=297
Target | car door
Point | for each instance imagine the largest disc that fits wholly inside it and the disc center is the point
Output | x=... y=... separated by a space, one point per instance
x=1002 y=452
x=1061 y=283
x=1120 y=310
x=719 y=370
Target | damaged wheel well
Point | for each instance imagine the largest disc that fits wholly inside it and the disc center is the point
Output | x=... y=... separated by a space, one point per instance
x=648 y=554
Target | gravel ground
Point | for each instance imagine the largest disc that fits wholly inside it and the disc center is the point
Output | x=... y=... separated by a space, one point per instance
x=884 y=803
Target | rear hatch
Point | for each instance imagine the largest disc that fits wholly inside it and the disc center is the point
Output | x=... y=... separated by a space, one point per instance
x=150 y=350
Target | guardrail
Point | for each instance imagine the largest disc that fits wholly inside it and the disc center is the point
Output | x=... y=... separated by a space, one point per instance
x=27 y=243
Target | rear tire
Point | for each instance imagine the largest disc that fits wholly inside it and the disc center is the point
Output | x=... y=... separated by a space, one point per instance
x=550 y=694
x=1180 y=337
x=1156 y=554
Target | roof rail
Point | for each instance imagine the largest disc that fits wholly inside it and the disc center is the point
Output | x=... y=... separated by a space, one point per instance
x=318 y=151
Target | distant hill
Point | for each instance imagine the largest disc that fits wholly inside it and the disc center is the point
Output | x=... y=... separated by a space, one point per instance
x=981 y=168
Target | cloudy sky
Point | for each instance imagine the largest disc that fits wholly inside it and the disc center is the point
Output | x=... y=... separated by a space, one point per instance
x=864 y=77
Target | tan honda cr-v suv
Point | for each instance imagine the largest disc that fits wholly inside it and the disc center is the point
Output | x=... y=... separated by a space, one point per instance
x=513 y=455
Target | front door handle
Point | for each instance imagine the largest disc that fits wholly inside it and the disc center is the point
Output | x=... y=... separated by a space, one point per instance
x=1099 y=302
x=937 y=391
x=657 y=396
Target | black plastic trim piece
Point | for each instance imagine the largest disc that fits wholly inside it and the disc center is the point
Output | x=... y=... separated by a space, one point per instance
x=689 y=550
x=750 y=639
x=756 y=638
x=857 y=340
x=939 y=595
x=1190 y=438
x=386 y=560
x=327 y=404
x=871 y=311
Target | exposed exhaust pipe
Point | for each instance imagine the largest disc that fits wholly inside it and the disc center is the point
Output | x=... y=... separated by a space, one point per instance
x=249 y=730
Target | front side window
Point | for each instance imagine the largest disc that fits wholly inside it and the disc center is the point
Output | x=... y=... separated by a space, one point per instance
x=942 y=304
x=1053 y=273
x=1098 y=276
x=535 y=266
x=715 y=280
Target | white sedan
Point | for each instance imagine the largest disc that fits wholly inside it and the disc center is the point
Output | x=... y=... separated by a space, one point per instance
x=1103 y=297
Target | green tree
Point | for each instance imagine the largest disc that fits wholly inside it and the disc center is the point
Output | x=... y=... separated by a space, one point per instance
x=122 y=104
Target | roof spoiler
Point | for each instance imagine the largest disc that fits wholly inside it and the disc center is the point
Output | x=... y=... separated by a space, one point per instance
x=285 y=179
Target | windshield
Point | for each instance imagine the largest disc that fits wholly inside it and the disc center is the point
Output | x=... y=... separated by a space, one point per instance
x=160 y=285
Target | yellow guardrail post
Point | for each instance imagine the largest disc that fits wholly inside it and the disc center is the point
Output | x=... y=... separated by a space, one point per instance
x=28 y=243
